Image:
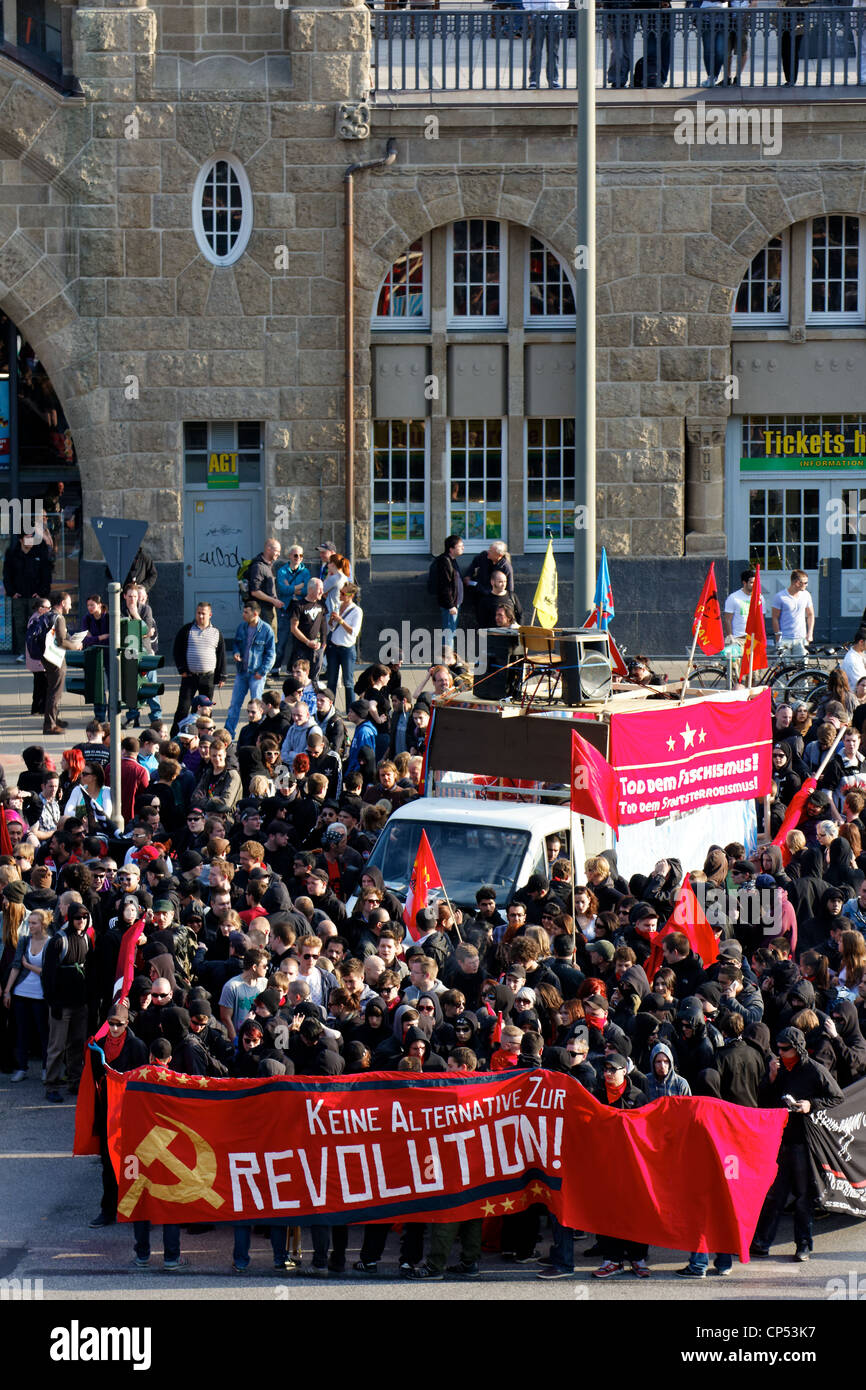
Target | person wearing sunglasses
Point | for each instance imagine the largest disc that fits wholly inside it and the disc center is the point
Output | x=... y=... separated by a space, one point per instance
x=799 y=1085
x=123 y=1052
x=67 y=984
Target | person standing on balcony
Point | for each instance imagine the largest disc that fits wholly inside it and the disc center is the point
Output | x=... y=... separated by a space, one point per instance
x=793 y=29
x=619 y=29
x=545 y=32
x=713 y=29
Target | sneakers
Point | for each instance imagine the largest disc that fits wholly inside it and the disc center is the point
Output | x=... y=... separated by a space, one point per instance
x=526 y=1259
x=336 y=1266
x=640 y=1269
x=54 y=1096
x=20 y=660
x=723 y=1273
x=141 y=1261
x=363 y=1267
x=101 y=1220
x=759 y=1252
x=555 y=1272
x=179 y=1263
x=18 y=1076
x=803 y=1254
x=688 y=1273
x=607 y=1270
x=466 y=1271
x=315 y=1272
x=287 y=1266
x=407 y=1271
x=425 y=1272
x=241 y=1269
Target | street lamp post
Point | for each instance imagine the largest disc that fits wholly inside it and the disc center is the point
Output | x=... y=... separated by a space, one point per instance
x=584 y=269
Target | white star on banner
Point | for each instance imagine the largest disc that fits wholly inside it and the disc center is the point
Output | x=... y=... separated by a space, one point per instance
x=688 y=737
x=702 y=736
x=671 y=744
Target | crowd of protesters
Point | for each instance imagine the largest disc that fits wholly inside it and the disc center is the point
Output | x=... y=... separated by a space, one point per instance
x=271 y=947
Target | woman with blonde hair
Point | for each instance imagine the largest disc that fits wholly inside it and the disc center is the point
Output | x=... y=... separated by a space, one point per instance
x=23 y=992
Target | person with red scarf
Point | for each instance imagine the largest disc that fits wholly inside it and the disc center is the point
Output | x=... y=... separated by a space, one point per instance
x=616 y=1090
x=123 y=1051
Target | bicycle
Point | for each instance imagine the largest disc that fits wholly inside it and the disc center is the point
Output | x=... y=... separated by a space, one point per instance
x=791 y=679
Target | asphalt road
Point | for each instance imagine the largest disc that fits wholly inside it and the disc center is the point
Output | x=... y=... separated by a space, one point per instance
x=47 y=1198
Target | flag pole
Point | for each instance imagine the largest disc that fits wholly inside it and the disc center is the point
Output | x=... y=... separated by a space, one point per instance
x=698 y=619
x=751 y=660
x=828 y=755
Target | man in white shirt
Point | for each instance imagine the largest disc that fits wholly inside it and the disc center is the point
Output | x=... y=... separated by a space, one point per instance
x=545 y=32
x=737 y=606
x=793 y=615
x=854 y=661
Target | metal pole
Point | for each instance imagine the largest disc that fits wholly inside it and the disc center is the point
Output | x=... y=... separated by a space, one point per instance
x=584 y=271
x=113 y=655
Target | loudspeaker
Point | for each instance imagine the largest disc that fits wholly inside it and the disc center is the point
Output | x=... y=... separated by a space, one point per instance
x=587 y=672
x=503 y=647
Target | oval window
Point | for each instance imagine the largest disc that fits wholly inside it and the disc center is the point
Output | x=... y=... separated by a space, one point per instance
x=222 y=210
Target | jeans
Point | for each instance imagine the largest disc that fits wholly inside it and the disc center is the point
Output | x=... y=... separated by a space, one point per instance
x=794 y=1178
x=66 y=1038
x=619 y=31
x=191 y=684
x=170 y=1241
x=448 y=623
x=714 y=46
x=285 y=640
x=699 y=1259
x=279 y=1235
x=341 y=659
x=29 y=1012
x=562 y=1249
x=546 y=32
x=244 y=686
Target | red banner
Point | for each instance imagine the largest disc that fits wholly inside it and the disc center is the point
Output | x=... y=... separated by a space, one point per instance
x=684 y=1174
x=680 y=757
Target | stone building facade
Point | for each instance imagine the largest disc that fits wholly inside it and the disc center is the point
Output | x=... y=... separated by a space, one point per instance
x=163 y=360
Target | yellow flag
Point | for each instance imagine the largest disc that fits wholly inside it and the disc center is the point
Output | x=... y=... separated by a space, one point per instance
x=545 y=602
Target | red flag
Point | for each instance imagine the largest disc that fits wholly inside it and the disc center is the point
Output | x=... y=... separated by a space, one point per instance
x=619 y=665
x=689 y=917
x=755 y=637
x=792 y=816
x=707 y=622
x=594 y=788
x=5 y=842
x=125 y=967
x=425 y=876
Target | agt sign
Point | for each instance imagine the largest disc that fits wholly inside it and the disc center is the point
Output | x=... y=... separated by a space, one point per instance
x=222 y=470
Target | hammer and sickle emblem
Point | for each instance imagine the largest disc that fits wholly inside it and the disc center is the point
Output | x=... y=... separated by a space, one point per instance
x=192 y=1183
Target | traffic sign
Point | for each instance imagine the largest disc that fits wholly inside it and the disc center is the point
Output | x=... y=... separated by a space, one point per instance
x=119 y=539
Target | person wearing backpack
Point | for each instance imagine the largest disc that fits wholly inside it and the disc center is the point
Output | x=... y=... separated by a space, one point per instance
x=55 y=671
x=445 y=582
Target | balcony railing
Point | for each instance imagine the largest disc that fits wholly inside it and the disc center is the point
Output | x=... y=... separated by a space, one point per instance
x=516 y=50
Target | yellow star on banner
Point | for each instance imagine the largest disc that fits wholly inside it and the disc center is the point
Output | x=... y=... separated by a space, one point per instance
x=144 y=1073
x=537 y=1187
x=489 y=1209
x=507 y=1205
x=202 y=1081
x=183 y=1078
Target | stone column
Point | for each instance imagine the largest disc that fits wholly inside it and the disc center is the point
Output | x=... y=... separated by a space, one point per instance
x=705 y=488
x=114 y=49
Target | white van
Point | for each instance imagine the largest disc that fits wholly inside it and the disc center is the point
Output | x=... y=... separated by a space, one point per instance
x=474 y=842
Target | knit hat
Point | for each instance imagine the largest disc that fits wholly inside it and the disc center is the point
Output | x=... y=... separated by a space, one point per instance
x=361 y=708
x=601 y=948
x=16 y=891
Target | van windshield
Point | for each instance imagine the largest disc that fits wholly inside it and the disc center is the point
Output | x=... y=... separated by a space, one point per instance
x=466 y=855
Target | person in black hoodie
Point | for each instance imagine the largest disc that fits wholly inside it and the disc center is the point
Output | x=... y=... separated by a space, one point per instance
x=788 y=781
x=662 y=886
x=123 y=1052
x=799 y=1085
x=849 y=1045
x=602 y=1033
x=741 y=1068
x=312 y=1055
x=814 y=933
x=417 y=1044
x=684 y=962
x=695 y=1051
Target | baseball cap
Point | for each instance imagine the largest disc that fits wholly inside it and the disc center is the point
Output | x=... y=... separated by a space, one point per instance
x=326 y=545
x=616 y=1059
x=202 y=700
x=601 y=948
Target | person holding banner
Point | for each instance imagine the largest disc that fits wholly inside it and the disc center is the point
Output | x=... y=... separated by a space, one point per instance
x=122 y=1051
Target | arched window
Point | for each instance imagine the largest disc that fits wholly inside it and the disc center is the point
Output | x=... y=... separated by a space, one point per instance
x=762 y=298
x=402 y=301
x=222 y=210
x=549 y=292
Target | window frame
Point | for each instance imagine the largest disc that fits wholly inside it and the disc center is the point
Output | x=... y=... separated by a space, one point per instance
x=463 y=322
x=844 y=317
x=407 y=546
x=534 y=545
x=449 y=478
x=531 y=322
x=380 y=323
x=765 y=319
x=246 y=226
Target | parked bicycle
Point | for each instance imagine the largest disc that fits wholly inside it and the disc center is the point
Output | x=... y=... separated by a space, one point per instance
x=790 y=678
